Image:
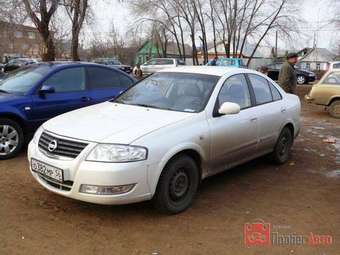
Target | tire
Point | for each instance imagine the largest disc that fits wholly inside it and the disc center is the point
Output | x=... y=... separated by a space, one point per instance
x=283 y=146
x=11 y=139
x=301 y=79
x=177 y=185
x=334 y=109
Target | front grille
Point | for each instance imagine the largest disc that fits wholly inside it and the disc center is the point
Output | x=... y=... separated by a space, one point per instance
x=65 y=148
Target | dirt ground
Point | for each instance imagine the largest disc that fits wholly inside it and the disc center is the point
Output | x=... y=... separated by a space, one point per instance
x=300 y=197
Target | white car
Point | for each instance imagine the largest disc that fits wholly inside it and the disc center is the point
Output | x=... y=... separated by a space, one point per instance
x=164 y=135
x=157 y=64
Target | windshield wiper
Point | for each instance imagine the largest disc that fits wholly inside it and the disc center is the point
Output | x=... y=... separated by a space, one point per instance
x=4 y=91
x=146 y=105
x=153 y=106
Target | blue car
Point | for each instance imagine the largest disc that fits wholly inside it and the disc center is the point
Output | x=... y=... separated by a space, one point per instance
x=33 y=94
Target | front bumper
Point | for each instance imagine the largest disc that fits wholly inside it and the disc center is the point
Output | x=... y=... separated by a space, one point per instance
x=309 y=99
x=78 y=172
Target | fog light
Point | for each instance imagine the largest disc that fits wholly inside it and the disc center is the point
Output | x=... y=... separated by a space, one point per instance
x=105 y=190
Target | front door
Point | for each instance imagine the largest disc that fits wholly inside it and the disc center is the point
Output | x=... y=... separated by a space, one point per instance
x=234 y=138
x=69 y=93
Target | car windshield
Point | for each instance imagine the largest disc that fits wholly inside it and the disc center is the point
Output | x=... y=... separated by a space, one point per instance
x=22 y=80
x=184 y=92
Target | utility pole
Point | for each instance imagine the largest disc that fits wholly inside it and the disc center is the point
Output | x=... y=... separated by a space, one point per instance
x=276 y=39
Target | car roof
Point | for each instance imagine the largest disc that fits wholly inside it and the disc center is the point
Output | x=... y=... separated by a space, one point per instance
x=209 y=70
x=61 y=64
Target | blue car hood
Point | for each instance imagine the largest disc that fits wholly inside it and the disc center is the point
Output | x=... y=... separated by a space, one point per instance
x=8 y=98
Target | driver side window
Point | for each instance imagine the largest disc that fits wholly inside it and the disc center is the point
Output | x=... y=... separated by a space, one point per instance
x=67 y=80
x=235 y=90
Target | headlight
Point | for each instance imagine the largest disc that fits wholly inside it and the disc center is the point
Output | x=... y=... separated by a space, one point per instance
x=116 y=153
x=37 y=134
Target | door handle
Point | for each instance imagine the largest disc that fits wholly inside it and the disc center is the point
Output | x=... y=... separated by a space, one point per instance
x=253 y=119
x=283 y=110
x=86 y=99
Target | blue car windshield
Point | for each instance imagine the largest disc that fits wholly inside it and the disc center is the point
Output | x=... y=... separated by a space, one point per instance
x=23 y=79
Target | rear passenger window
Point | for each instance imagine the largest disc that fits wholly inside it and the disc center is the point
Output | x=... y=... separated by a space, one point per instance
x=261 y=89
x=276 y=94
x=102 y=78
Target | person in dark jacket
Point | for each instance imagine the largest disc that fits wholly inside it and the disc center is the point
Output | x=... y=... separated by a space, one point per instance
x=287 y=75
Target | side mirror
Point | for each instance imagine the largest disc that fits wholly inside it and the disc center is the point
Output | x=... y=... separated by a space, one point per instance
x=45 y=89
x=228 y=108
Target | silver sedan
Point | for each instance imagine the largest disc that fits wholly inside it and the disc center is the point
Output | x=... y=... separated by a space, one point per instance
x=161 y=137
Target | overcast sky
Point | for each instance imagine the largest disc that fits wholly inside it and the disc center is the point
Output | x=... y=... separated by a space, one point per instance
x=315 y=12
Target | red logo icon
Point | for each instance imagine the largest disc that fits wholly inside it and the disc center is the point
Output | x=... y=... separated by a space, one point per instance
x=257 y=234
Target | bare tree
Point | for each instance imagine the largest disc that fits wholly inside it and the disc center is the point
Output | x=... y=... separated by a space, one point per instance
x=77 y=11
x=45 y=9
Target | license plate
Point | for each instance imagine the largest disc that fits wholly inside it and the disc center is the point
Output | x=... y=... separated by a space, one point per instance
x=48 y=171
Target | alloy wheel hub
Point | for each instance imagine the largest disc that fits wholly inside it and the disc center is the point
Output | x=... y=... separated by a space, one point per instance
x=9 y=139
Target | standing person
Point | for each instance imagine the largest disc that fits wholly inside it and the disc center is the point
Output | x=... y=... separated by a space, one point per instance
x=137 y=72
x=213 y=62
x=287 y=75
x=264 y=70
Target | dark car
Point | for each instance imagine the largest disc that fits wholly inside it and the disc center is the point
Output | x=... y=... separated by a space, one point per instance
x=17 y=63
x=113 y=63
x=33 y=94
x=303 y=76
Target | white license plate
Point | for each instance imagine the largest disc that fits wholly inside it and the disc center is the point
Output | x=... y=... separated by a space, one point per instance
x=48 y=171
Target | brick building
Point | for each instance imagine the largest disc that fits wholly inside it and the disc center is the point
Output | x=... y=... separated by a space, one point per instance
x=19 y=41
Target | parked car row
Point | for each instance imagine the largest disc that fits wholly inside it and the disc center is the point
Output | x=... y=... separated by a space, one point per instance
x=16 y=63
x=303 y=76
x=112 y=62
x=102 y=138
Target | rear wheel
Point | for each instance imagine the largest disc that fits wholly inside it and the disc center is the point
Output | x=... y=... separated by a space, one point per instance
x=301 y=79
x=283 y=146
x=334 y=109
x=11 y=138
x=177 y=185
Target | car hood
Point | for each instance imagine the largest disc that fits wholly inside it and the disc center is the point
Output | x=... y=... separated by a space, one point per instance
x=112 y=123
x=5 y=97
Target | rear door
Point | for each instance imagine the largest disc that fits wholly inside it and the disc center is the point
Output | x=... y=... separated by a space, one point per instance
x=106 y=83
x=70 y=93
x=271 y=111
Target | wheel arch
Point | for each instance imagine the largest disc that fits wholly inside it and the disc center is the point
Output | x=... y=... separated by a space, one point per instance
x=15 y=118
x=291 y=127
x=335 y=98
x=193 y=151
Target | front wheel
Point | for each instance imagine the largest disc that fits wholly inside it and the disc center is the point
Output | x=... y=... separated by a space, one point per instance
x=177 y=185
x=301 y=79
x=334 y=109
x=283 y=146
x=11 y=138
